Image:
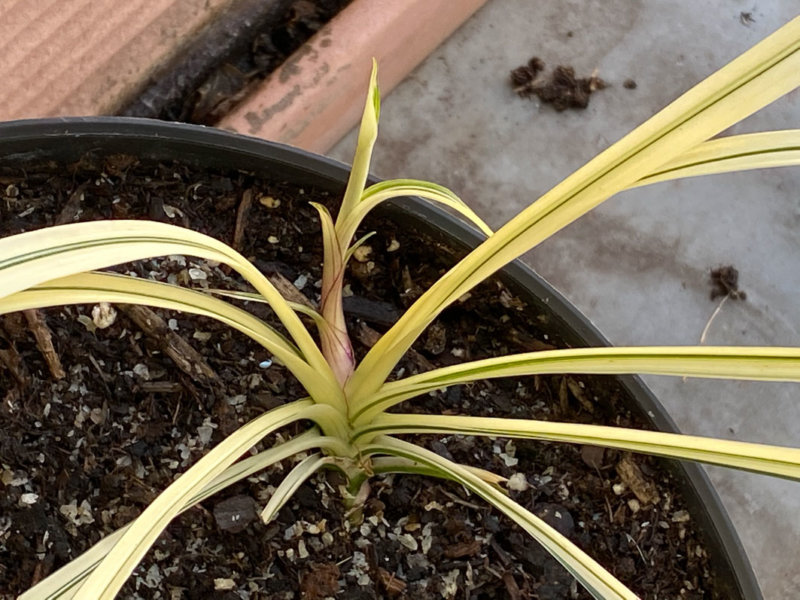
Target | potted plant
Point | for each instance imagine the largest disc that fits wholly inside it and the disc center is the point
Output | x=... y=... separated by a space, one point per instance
x=349 y=404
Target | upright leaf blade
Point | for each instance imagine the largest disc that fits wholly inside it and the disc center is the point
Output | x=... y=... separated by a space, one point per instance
x=759 y=76
x=335 y=342
x=367 y=134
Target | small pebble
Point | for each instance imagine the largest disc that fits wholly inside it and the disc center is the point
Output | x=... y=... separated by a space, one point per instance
x=197 y=274
x=362 y=253
x=680 y=516
x=269 y=201
x=103 y=315
x=518 y=483
x=224 y=584
x=29 y=498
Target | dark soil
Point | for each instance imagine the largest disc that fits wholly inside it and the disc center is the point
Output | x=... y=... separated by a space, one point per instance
x=236 y=51
x=725 y=282
x=562 y=89
x=82 y=455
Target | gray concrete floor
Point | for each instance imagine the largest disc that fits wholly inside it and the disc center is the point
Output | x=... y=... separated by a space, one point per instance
x=638 y=265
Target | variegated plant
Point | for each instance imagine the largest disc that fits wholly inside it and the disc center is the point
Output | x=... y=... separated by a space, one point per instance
x=348 y=402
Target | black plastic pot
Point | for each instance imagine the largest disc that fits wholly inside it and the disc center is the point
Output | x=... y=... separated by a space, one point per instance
x=67 y=140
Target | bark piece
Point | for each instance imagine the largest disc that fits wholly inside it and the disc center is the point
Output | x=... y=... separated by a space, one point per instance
x=579 y=393
x=321 y=581
x=44 y=340
x=511 y=586
x=391 y=582
x=241 y=218
x=462 y=549
x=72 y=209
x=13 y=362
x=186 y=358
x=288 y=290
x=161 y=387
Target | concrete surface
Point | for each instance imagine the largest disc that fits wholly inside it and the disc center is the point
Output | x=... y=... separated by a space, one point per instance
x=637 y=266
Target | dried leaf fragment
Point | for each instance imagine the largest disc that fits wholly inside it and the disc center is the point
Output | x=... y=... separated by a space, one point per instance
x=632 y=476
x=462 y=549
x=391 y=582
x=578 y=391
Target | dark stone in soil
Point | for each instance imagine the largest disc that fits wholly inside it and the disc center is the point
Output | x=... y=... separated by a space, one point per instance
x=725 y=282
x=235 y=513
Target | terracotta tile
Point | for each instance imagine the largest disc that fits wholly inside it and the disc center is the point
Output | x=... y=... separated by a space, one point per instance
x=317 y=95
x=85 y=57
x=15 y=15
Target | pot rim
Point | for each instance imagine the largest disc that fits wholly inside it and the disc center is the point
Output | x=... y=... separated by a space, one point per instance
x=69 y=138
